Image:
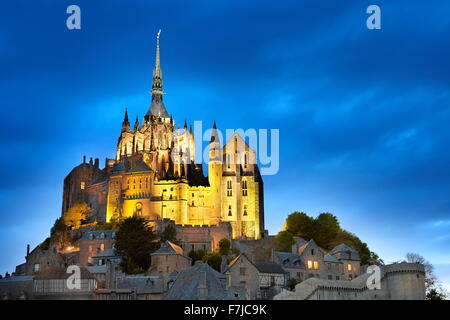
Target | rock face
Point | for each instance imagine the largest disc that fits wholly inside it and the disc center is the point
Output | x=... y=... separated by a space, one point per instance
x=400 y=281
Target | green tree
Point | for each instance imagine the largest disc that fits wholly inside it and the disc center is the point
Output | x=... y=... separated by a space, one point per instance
x=170 y=234
x=214 y=259
x=326 y=229
x=135 y=240
x=196 y=255
x=300 y=224
x=224 y=247
x=284 y=241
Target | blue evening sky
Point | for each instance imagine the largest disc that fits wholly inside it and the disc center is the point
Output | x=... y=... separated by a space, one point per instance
x=363 y=114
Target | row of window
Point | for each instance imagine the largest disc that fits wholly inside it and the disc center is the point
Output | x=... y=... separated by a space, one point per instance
x=230 y=188
x=230 y=213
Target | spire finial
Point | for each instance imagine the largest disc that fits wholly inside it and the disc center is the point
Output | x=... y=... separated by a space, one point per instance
x=157 y=73
x=157 y=63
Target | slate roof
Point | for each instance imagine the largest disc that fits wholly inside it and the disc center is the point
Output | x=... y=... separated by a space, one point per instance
x=97 y=269
x=331 y=258
x=269 y=267
x=119 y=166
x=61 y=273
x=157 y=108
x=141 y=284
x=345 y=252
x=288 y=260
x=188 y=280
x=139 y=167
x=169 y=248
x=97 y=234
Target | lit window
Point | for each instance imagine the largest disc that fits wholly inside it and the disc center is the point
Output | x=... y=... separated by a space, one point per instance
x=83 y=185
x=349 y=267
x=102 y=246
x=310 y=264
x=316 y=265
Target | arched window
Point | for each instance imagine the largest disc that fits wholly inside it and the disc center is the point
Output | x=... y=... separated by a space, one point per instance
x=229 y=188
x=244 y=188
x=229 y=211
x=245 y=209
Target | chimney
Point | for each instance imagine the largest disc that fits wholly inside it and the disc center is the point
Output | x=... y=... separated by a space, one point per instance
x=97 y=163
x=28 y=250
x=90 y=160
x=84 y=159
x=202 y=289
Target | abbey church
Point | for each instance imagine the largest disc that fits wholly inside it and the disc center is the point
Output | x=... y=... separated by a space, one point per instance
x=154 y=175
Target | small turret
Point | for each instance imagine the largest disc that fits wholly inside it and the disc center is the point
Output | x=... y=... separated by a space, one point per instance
x=125 y=123
x=136 y=124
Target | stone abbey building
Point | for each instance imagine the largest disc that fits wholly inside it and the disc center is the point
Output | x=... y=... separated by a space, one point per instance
x=154 y=175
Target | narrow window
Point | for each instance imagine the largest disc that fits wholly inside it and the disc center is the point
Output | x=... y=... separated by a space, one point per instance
x=229 y=211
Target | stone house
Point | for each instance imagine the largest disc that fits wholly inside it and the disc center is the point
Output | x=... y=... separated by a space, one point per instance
x=259 y=280
x=92 y=243
x=311 y=261
x=167 y=259
x=199 y=282
x=350 y=260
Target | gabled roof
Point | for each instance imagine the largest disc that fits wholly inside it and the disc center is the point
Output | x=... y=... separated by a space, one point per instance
x=331 y=258
x=262 y=266
x=288 y=260
x=99 y=234
x=169 y=248
x=61 y=273
x=269 y=267
x=186 y=284
x=345 y=252
x=141 y=166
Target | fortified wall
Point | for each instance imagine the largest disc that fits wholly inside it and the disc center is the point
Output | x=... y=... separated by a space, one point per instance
x=399 y=281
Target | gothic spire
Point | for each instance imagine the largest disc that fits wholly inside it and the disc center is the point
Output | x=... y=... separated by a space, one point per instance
x=157 y=107
x=125 y=123
x=136 y=124
x=157 y=73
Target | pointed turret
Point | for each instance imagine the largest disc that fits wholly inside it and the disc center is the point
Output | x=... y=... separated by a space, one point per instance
x=125 y=123
x=136 y=124
x=214 y=133
x=157 y=107
x=185 y=125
